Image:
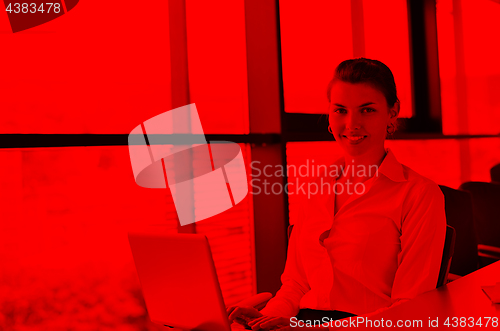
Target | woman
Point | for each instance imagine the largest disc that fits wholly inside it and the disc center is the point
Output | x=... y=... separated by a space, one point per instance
x=362 y=251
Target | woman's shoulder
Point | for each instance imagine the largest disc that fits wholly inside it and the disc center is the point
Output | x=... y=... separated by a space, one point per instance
x=416 y=179
x=419 y=185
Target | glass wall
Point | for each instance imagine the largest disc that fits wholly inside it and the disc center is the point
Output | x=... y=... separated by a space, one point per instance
x=468 y=65
x=317 y=37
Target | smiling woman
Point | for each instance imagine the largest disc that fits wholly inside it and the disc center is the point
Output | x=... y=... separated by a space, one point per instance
x=363 y=107
x=361 y=252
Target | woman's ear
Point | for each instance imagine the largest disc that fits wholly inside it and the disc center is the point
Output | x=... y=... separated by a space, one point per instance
x=394 y=111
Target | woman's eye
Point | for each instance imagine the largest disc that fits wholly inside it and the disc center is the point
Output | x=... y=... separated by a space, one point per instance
x=368 y=110
x=340 y=110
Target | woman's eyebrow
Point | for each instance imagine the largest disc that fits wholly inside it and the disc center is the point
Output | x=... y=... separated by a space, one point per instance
x=363 y=105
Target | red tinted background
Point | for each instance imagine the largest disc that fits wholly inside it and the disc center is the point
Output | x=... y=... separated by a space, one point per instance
x=64 y=252
x=105 y=67
x=469 y=66
x=316 y=37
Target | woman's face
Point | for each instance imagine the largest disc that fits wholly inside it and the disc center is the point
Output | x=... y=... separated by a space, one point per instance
x=359 y=116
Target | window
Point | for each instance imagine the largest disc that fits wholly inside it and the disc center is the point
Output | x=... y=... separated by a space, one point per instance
x=436 y=159
x=63 y=237
x=101 y=68
x=218 y=65
x=66 y=210
x=468 y=66
x=316 y=37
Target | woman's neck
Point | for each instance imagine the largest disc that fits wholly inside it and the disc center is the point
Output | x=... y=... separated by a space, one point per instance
x=360 y=168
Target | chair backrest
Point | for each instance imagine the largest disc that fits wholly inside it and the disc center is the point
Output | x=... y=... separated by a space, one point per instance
x=458 y=208
x=289 y=230
x=486 y=209
x=449 y=246
x=495 y=173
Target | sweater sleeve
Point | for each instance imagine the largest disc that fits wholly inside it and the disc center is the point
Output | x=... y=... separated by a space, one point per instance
x=294 y=281
x=423 y=233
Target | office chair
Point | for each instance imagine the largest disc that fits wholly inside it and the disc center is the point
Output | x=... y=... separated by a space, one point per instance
x=458 y=208
x=260 y=300
x=449 y=246
x=486 y=211
x=495 y=174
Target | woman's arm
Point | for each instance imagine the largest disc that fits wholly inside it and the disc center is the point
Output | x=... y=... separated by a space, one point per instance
x=423 y=233
x=294 y=280
x=285 y=303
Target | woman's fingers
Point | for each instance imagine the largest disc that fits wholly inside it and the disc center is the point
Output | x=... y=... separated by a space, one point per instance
x=229 y=310
x=268 y=323
x=276 y=321
x=254 y=319
x=241 y=321
x=256 y=324
x=258 y=320
x=248 y=312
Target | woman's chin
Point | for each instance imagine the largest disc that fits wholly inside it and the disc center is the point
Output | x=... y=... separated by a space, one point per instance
x=354 y=153
x=354 y=150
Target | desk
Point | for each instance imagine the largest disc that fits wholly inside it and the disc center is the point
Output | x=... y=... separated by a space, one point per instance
x=460 y=298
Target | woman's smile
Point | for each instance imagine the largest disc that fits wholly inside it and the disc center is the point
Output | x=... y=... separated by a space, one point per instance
x=354 y=139
x=359 y=117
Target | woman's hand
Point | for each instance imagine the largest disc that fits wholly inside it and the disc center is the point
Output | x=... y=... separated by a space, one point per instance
x=270 y=323
x=251 y=317
x=242 y=315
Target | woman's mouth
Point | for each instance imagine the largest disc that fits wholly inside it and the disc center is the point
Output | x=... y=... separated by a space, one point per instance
x=354 y=139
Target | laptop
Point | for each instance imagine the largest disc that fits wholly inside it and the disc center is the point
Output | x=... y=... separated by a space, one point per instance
x=178 y=280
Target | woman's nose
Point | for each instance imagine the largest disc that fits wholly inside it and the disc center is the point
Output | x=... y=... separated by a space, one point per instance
x=353 y=121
